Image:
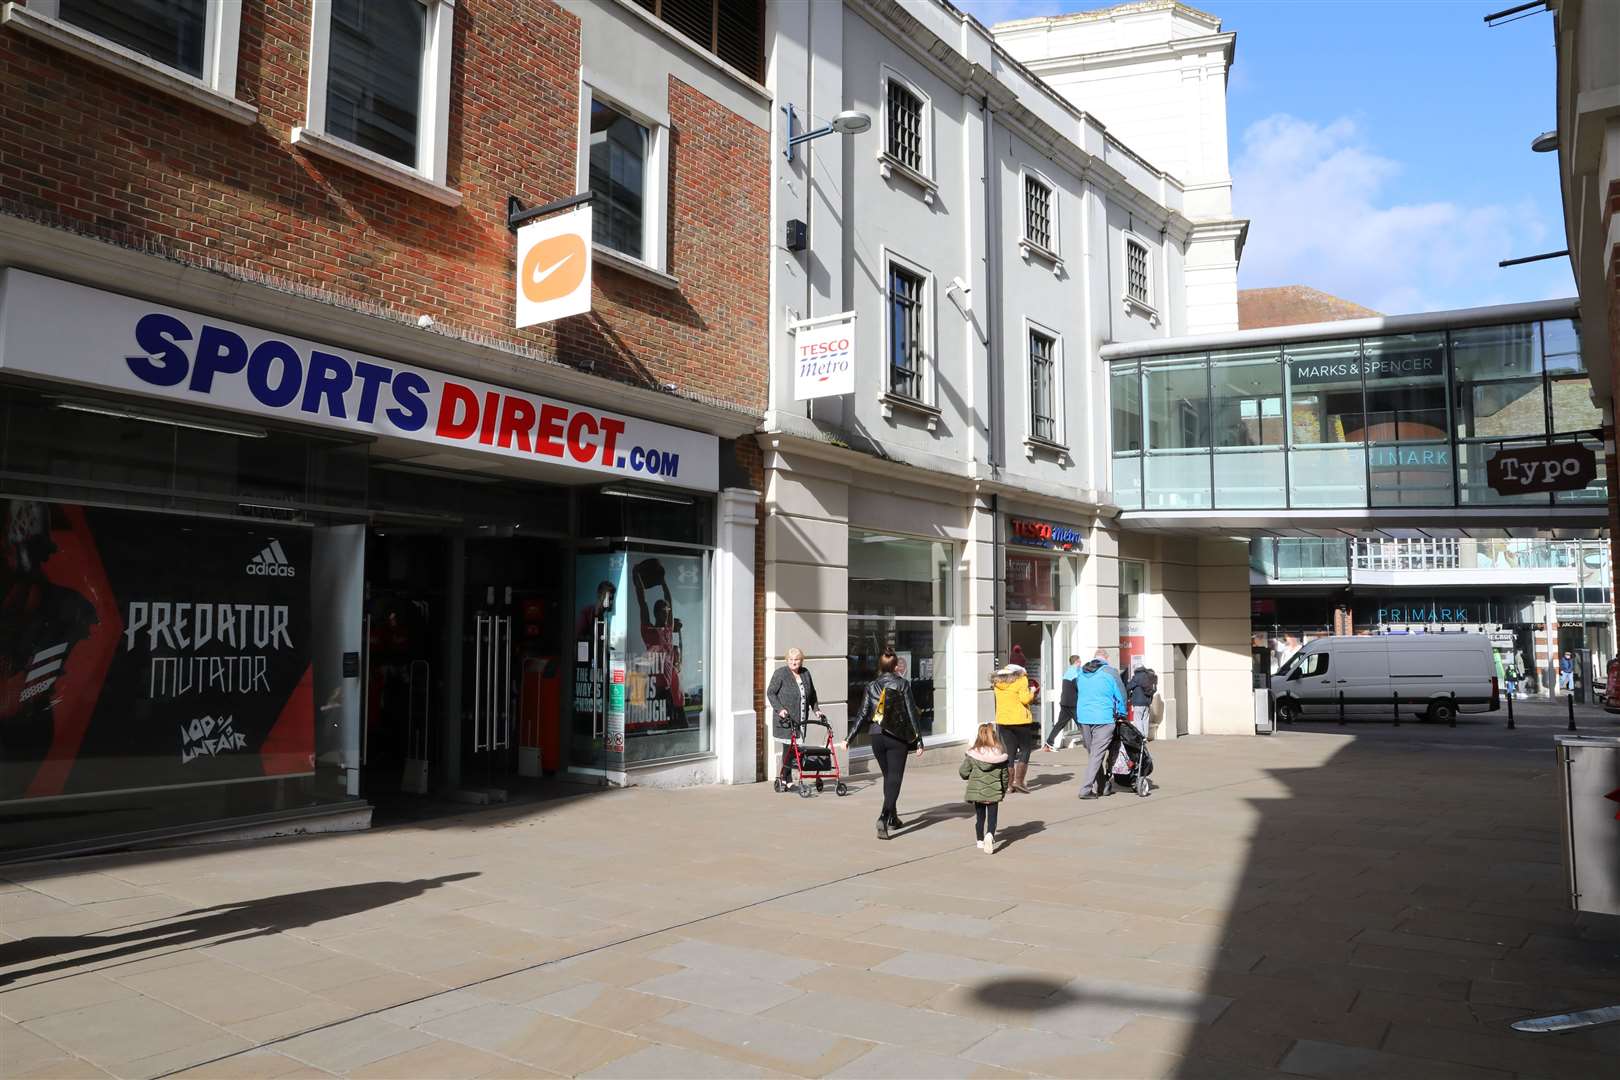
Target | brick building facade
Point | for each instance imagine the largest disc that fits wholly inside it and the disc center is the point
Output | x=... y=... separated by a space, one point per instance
x=215 y=182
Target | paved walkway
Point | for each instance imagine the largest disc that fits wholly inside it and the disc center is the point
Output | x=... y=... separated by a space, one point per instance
x=1322 y=903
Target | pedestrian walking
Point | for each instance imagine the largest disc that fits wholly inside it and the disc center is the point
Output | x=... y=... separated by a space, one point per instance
x=1066 y=695
x=1098 y=703
x=1139 y=695
x=888 y=709
x=792 y=698
x=984 y=767
x=1014 y=722
x=1566 y=673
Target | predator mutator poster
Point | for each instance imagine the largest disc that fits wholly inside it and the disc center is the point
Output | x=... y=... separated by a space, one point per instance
x=143 y=651
x=667 y=644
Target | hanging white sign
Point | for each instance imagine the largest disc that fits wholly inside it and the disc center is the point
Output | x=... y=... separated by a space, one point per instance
x=554 y=267
x=824 y=357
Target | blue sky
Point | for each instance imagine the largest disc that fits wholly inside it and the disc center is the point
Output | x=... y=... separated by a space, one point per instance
x=1381 y=149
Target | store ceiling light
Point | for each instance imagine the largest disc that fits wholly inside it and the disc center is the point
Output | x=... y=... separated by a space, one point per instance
x=168 y=419
x=623 y=491
x=437 y=474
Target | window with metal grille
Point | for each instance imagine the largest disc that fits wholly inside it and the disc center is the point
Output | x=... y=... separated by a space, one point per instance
x=734 y=30
x=171 y=32
x=1042 y=386
x=906 y=328
x=905 y=136
x=374 y=75
x=1038 y=213
x=1136 y=271
x=618 y=179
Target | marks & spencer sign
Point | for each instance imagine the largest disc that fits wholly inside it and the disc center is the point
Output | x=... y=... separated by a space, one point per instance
x=1350 y=369
x=824 y=357
x=74 y=334
x=1044 y=534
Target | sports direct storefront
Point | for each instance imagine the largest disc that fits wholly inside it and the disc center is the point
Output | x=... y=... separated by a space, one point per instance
x=249 y=576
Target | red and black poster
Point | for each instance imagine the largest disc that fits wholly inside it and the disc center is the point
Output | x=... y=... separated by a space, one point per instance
x=144 y=651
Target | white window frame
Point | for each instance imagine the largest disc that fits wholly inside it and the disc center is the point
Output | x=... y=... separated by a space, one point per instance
x=888 y=164
x=1027 y=244
x=428 y=176
x=654 y=264
x=214 y=91
x=1059 y=438
x=927 y=375
x=1133 y=305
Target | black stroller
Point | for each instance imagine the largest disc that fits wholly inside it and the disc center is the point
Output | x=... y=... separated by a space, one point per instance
x=1129 y=747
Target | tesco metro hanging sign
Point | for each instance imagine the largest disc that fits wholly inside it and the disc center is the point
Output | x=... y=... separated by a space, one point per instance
x=554 y=267
x=73 y=334
x=824 y=356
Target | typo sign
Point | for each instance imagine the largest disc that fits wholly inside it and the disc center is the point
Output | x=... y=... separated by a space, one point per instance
x=824 y=357
x=1045 y=534
x=1532 y=470
x=1350 y=369
x=69 y=333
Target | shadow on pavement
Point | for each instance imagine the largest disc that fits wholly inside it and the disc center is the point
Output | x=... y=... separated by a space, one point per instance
x=212 y=925
x=1398 y=906
x=1008 y=835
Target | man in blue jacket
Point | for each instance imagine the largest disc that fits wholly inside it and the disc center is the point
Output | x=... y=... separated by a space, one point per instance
x=1098 y=701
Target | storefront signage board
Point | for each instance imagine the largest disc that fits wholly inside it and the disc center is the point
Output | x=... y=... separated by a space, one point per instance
x=824 y=357
x=1044 y=534
x=1536 y=470
x=108 y=342
x=554 y=268
x=1412 y=366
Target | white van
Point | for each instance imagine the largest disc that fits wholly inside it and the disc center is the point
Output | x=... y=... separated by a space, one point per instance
x=1424 y=669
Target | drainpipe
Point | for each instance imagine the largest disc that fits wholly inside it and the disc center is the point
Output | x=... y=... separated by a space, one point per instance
x=992 y=312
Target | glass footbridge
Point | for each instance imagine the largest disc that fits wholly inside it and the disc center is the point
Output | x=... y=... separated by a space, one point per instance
x=1380 y=425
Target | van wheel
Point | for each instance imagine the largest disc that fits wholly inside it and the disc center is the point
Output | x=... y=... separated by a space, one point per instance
x=1440 y=712
x=1287 y=712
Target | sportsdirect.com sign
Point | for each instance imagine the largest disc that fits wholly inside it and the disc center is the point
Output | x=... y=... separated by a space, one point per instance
x=70 y=333
x=824 y=357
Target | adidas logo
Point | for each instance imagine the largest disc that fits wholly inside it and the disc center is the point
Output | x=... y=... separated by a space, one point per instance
x=271 y=562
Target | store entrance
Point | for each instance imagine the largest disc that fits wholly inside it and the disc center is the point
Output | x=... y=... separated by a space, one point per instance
x=1038 y=640
x=469 y=630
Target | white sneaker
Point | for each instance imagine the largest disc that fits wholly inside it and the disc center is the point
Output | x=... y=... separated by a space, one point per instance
x=989 y=844
x=979 y=843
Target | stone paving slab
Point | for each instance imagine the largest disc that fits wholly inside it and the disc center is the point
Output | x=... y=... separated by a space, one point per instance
x=1279 y=907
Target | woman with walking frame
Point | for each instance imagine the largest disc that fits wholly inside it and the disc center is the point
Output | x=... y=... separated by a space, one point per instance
x=888 y=709
x=792 y=698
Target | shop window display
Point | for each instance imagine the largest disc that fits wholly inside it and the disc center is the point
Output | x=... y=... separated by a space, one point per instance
x=901 y=596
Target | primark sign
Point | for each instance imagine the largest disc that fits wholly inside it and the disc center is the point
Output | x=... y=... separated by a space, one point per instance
x=1350 y=369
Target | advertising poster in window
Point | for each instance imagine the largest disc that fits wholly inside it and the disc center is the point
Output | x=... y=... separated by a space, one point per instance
x=666 y=680
x=599 y=636
x=139 y=651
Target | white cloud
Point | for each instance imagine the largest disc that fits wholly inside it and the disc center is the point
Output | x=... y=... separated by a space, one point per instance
x=1321 y=215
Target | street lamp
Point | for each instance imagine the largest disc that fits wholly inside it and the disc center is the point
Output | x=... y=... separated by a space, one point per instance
x=849 y=122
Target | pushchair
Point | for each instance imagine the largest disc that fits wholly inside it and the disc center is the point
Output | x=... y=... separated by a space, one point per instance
x=811 y=763
x=1131 y=763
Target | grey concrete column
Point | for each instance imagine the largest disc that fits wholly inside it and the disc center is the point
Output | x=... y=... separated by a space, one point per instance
x=734 y=665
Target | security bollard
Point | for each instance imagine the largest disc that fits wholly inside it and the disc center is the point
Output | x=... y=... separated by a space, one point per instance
x=1510 y=712
x=1571 y=701
x=1454 y=708
x=1341 y=708
x=1396 y=697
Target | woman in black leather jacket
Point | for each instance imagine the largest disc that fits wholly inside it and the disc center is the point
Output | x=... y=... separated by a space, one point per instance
x=894 y=733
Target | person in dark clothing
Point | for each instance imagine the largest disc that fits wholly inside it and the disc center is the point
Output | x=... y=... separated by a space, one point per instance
x=792 y=698
x=1139 y=694
x=888 y=709
x=1066 y=700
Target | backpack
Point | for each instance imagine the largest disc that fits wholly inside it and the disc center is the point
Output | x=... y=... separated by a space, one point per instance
x=900 y=726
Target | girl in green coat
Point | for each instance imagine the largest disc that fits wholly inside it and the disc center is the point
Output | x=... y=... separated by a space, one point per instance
x=985 y=770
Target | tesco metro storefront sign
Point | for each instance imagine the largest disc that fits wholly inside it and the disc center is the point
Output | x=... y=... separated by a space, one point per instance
x=71 y=333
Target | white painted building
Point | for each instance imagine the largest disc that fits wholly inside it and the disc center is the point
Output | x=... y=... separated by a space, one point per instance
x=1154 y=73
x=988 y=238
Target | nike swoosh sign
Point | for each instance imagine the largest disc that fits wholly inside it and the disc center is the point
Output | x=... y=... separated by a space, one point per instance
x=553 y=268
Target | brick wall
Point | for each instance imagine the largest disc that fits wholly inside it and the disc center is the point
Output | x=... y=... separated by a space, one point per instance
x=97 y=152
